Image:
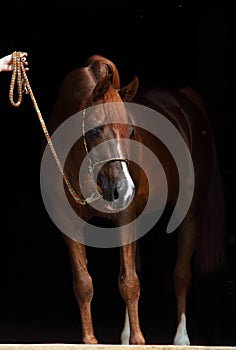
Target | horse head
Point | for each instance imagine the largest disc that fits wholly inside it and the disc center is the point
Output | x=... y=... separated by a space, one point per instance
x=104 y=140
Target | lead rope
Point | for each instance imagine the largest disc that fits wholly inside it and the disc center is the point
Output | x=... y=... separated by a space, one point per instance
x=24 y=86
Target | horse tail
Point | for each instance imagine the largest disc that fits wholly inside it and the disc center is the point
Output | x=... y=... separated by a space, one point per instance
x=102 y=66
x=209 y=256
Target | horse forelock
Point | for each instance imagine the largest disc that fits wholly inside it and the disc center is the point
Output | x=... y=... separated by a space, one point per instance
x=112 y=95
x=98 y=67
x=101 y=66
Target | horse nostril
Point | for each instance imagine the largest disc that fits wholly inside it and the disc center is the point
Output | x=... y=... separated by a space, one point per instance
x=116 y=194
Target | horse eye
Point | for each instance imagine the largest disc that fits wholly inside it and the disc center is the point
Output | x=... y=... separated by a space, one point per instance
x=94 y=131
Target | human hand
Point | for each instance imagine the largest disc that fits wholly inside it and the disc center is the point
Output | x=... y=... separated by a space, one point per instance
x=6 y=62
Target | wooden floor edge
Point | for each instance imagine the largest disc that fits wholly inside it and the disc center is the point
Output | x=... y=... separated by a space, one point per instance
x=108 y=347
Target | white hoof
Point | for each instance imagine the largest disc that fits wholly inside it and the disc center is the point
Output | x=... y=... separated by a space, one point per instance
x=181 y=336
x=181 y=340
x=125 y=334
x=124 y=338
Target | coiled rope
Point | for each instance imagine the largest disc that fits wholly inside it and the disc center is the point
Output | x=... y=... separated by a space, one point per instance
x=23 y=84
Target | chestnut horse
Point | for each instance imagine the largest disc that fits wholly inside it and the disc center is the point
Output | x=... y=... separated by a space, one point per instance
x=95 y=92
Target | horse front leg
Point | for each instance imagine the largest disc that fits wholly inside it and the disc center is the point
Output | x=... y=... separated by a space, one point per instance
x=183 y=275
x=83 y=288
x=130 y=291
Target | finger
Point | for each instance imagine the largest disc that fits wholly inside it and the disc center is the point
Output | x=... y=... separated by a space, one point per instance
x=23 y=54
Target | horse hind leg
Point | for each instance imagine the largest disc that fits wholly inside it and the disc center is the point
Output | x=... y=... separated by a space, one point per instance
x=183 y=275
x=125 y=334
x=83 y=288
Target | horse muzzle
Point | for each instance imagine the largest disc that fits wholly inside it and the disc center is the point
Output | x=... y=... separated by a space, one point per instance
x=118 y=197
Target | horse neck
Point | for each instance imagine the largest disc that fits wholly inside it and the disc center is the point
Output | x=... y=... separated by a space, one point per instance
x=74 y=92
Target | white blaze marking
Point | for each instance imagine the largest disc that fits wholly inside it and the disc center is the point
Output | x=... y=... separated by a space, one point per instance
x=181 y=336
x=127 y=176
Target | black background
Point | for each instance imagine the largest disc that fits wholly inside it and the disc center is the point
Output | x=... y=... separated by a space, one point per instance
x=165 y=44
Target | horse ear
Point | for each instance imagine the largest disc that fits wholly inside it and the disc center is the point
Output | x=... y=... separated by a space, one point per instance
x=128 y=92
x=101 y=88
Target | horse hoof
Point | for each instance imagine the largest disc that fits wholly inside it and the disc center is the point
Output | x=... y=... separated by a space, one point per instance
x=90 y=340
x=184 y=340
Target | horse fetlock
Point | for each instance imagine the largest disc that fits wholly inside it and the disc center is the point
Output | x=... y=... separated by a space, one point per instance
x=137 y=339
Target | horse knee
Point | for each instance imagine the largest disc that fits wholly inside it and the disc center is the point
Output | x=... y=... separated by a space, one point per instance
x=129 y=286
x=83 y=288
